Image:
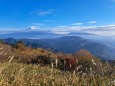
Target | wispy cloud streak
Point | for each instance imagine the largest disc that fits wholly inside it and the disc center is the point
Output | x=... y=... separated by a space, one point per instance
x=47 y=12
x=92 y=22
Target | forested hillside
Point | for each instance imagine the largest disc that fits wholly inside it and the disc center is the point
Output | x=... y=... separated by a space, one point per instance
x=69 y=45
x=21 y=65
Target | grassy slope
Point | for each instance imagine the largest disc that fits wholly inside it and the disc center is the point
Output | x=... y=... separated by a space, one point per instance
x=15 y=74
x=18 y=74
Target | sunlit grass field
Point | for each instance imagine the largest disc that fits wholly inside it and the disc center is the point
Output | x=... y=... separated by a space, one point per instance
x=17 y=74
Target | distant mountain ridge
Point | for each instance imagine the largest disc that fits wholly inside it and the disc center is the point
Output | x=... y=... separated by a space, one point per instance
x=69 y=44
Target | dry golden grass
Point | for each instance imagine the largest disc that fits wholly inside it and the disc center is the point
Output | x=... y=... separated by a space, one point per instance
x=13 y=73
x=17 y=74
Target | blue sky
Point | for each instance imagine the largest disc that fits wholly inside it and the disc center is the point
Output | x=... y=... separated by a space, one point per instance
x=62 y=16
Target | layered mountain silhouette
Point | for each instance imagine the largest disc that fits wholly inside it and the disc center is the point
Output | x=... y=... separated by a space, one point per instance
x=36 y=33
x=69 y=44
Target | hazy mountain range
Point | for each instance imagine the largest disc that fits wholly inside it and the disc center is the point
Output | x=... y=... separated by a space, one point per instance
x=69 y=44
x=32 y=33
x=60 y=42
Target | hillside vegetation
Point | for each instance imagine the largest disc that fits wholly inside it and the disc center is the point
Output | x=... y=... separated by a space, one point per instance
x=25 y=66
x=69 y=44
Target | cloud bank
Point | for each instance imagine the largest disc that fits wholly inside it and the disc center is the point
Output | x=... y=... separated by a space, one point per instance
x=108 y=30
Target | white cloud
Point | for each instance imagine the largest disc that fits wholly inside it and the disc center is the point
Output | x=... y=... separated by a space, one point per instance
x=9 y=30
x=66 y=29
x=6 y=32
x=75 y=24
x=92 y=22
x=47 y=12
x=32 y=28
x=48 y=20
x=60 y=32
x=108 y=30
